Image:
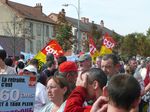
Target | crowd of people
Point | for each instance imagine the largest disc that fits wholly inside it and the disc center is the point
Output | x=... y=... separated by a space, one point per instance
x=109 y=85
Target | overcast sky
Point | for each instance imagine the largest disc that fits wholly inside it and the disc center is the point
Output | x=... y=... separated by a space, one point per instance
x=122 y=16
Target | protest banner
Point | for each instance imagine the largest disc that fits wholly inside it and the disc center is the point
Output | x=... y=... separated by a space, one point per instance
x=93 y=51
x=17 y=93
x=52 y=47
x=108 y=45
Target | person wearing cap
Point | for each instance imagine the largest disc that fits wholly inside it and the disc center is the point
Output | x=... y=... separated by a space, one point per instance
x=84 y=62
x=41 y=97
x=69 y=70
x=4 y=69
x=30 y=70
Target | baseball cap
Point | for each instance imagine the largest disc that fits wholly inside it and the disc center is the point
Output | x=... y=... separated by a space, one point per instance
x=31 y=68
x=68 y=66
x=84 y=57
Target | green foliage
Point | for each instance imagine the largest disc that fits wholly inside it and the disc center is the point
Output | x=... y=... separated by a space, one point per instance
x=97 y=35
x=148 y=33
x=64 y=36
x=135 y=43
x=64 y=32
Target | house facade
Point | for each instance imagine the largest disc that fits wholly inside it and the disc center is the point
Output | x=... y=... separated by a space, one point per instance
x=30 y=24
x=85 y=28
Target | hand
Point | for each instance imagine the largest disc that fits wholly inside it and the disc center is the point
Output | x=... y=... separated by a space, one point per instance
x=100 y=105
x=82 y=80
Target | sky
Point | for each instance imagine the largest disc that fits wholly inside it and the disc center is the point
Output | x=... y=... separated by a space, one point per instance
x=122 y=16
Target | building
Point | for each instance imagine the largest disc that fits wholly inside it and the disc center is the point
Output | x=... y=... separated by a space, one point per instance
x=26 y=23
x=85 y=27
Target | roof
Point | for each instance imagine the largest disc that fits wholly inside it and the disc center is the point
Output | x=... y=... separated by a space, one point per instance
x=29 y=12
x=86 y=27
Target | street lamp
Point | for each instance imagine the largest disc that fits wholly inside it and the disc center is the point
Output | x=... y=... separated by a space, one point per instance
x=78 y=27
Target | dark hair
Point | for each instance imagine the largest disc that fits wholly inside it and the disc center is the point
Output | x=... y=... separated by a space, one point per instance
x=61 y=59
x=50 y=63
x=8 y=61
x=21 y=56
x=98 y=75
x=65 y=75
x=130 y=60
x=113 y=57
x=42 y=78
x=34 y=62
x=3 y=54
x=123 y=90
x=20 y=65
x=49 y=57
x=62 y=82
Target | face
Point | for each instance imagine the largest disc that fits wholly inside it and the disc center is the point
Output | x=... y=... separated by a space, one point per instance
x=55 y=93
x=91 y=92
x=85 y=65
x=28 y=73
x=133 y=64
x=108 y=67
x=90 y=87
x=72 y=77
x=98 y=62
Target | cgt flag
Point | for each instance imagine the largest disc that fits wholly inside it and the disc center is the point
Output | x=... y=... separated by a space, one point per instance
x=52 y=47
x=107 y=46
x=93 y=51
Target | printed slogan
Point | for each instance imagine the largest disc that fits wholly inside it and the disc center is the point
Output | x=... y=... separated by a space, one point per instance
x=17 y=93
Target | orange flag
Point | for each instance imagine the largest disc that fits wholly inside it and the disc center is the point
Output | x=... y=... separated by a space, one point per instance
x=52 y=47
x=107 y=46
x=93 y=50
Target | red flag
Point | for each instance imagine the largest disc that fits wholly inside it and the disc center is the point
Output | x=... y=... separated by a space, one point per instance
x=108 y=44
x=93 y=51
x=52 y=47
x=92 y=46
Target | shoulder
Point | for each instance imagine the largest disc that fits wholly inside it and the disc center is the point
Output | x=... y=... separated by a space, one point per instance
x=47 y=107
x=10 y=70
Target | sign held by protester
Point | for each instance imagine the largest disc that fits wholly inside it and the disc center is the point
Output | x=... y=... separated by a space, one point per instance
x=93 y=51
x=17 y=93
x=52 y=47
x=108 y=45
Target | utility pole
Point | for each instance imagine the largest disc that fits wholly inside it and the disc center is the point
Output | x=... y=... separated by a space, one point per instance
x=78 y=27
x=14 y=36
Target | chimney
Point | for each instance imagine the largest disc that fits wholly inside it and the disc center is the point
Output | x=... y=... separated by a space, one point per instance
x=102 y=23
x=83 y=19
x=92 y=22
x=38 y=7
x=4 y=1
x=63 y=12
x=86 y=20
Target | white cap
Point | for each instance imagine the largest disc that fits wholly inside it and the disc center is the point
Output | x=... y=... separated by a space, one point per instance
x=31 y=68
x=1 y=47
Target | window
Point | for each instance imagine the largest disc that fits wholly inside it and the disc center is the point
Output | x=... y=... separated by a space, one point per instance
x=31 y=29
x=38 y=29
x=31 y=46
x=47 y=30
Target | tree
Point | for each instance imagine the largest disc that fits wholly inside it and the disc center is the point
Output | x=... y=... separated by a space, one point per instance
x=17 y=30
x=135 y=44
x=64 y=32
x=97 y=35
x=128 y=46
x=148 y=33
